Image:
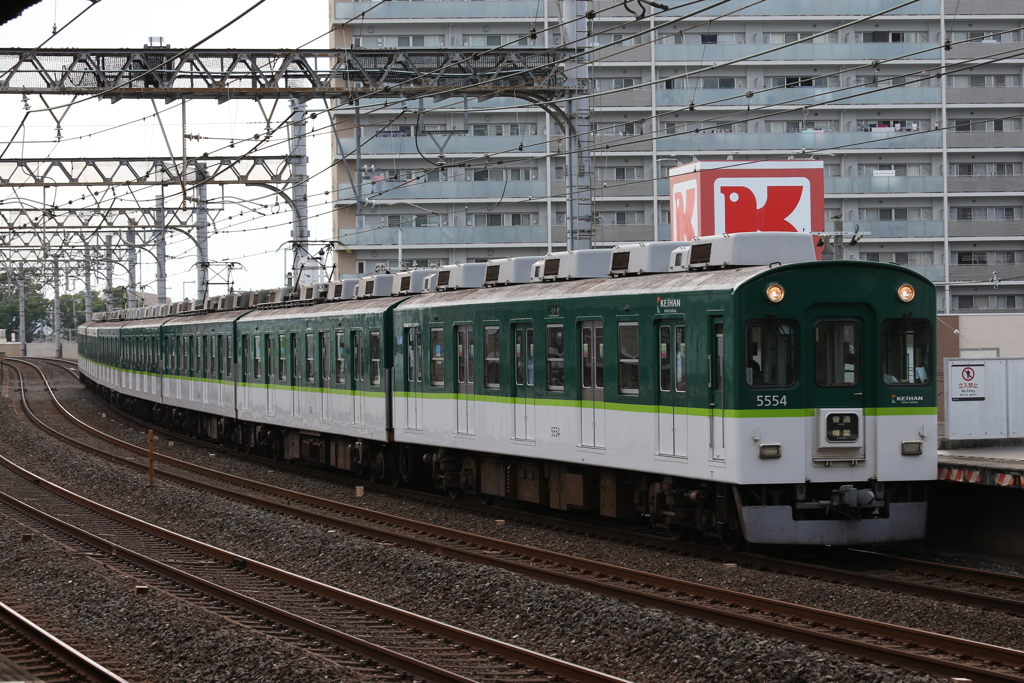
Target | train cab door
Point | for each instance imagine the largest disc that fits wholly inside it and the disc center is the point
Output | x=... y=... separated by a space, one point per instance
x=838 y=334
x=716 y=387
x=413 y=377
x=591 y=355
x=358 y=377
x=465 y=384
x=671 y=336
x=523 y=401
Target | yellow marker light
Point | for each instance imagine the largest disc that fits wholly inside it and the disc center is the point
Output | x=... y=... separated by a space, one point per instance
x=905 y=293
x=775 y=293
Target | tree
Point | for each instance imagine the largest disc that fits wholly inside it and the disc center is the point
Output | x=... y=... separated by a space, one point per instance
x=38 y=309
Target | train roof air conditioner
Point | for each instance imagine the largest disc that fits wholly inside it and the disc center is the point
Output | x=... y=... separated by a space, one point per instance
x=461 y=276
x=637 y=259
x=411 y=281
x=576 y=265
x=509 y=271
x=744 y=249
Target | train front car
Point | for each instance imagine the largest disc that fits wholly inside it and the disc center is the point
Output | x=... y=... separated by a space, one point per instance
x=827 y=406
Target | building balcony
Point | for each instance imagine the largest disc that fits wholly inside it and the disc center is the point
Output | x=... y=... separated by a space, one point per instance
x=626 y=188
x=809 y=52
x=811 y=8
x=896 y=229
x=986 y=183
x=979 y=229
x=624 y=234
x=901 y=184
x=442 y=9
x=1003 y=139
x=984 y=95
x=981 y=50
x=459 y=144
x=959 y=9
x=934 y=273
x=387 y=236
x=622 y=143
x=622 y=53
x=490 y=189
x=809 y=141
x=637 y=97
x=797 y=96
x=984 y=273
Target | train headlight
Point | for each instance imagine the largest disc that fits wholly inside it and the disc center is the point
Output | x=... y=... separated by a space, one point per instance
x=770 y=451
x=905 y=293
x=775 y=293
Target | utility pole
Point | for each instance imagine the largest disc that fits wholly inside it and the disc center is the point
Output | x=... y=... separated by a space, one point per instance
x=88 y=284
x=160 y=237
x=133 y=301
x=110 y=273
x=56 y=309
x=21 y=310
x=202 y=237
x=579 y=174
x=301 y=274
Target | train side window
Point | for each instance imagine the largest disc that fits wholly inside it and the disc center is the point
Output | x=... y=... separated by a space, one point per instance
x=200 y=353
x=269 y=339
x=358 y=371
x=415 y=354
x=257 y=356
x=836 y=353
x=672 y=357
x=179 y=349
x=375 y=359
x=310 y=358
x=629 y=358
x=556 y=358
x=437 y=356
x=325 y=356
x=906 y=352
x=770 y=353
x=212 y=368
x=492 y=357
x=245 y=356
x=282 y=356
x=339 y=362
x=228 y=357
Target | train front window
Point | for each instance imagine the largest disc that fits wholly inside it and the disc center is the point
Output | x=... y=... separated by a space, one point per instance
x=837 y=353
x=906 y=352
x=770 y=353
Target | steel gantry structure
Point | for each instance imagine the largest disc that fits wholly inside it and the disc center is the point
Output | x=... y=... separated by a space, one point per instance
x=344 y=76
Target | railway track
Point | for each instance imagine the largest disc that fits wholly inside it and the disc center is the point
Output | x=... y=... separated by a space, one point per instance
x=880 y=642
x=33 y=651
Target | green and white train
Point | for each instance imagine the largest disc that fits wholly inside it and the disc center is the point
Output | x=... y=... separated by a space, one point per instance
x=792 y=402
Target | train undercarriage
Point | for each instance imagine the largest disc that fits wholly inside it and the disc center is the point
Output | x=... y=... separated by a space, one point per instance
x=683 y=507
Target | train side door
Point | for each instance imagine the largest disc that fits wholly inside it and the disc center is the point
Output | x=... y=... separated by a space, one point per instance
x=671 y=336
x=465 y=384
x=523 y=401
x=245 y=385
x=271 y=361
x=716 y=383
x=358 y=375
x=591 y=355
x=296 y=355
x=413 y=378
x=324 y=381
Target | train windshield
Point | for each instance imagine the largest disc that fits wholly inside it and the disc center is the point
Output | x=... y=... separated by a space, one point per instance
x=770 y=353
x=906 y=351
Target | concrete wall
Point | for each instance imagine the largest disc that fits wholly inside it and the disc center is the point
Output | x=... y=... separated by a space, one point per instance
x=985 y=336
x=69 y=350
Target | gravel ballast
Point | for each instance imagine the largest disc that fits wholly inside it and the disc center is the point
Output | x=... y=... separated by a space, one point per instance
x=626 y=640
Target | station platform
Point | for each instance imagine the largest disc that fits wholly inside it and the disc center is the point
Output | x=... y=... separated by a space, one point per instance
x=986 y=465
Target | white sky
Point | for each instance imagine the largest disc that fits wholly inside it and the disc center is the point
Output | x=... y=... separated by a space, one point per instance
x=130 y=23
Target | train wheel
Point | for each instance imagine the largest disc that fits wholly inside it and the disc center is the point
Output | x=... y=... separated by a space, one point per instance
x=406 y=465
x=454 y=492
x=484 y=498
x=391 y=470
x=377 y=471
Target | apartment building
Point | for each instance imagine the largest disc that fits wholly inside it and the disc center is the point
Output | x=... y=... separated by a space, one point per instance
x=916 y=113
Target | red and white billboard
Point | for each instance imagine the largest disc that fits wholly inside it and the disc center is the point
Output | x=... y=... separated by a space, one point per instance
x=718 y=197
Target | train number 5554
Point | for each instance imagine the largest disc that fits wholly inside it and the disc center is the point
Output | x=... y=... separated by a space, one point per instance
x=771 y=400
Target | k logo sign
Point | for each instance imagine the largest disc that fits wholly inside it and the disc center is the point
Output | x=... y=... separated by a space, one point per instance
x=762 y=205
x=718 y=197
x=684 y=210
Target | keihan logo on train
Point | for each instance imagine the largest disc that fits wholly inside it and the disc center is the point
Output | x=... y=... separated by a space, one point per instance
x=668 y=305
x=907 y=399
